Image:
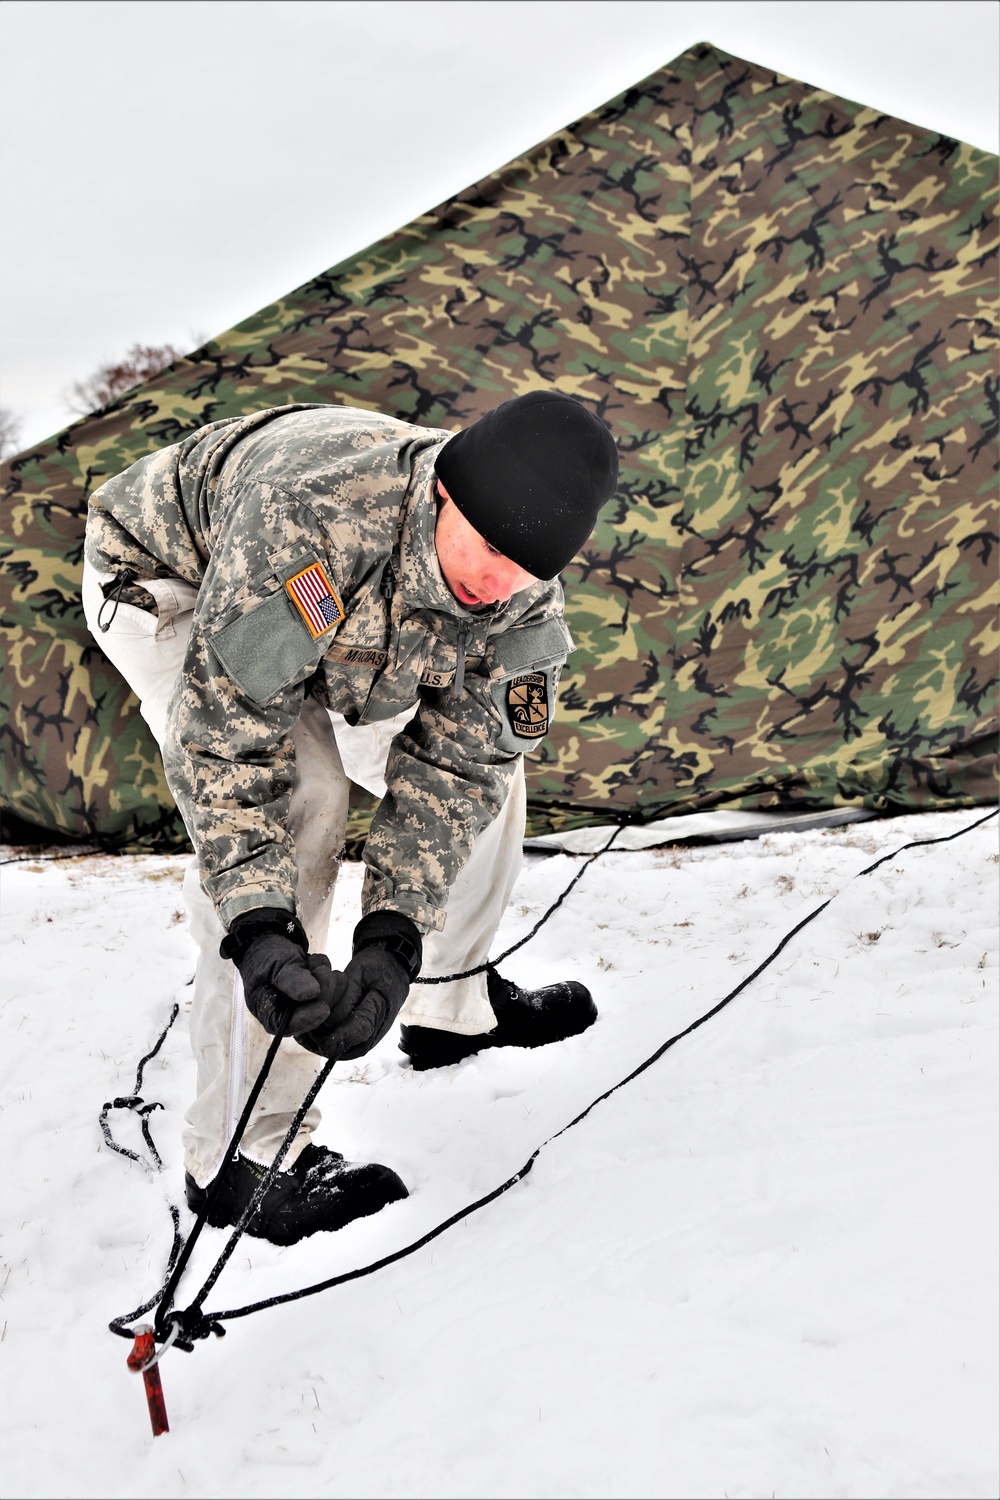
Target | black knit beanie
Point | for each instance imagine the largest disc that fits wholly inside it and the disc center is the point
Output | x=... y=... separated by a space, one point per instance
x=531 y=476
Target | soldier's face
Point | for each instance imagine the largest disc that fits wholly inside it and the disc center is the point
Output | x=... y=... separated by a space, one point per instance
x=475 y=572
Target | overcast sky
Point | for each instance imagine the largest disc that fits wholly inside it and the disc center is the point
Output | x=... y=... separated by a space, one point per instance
x=170 y=167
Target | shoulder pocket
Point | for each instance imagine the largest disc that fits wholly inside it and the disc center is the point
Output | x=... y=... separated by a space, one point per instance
x=523 y=665
x=546 y=643
x=267 y=649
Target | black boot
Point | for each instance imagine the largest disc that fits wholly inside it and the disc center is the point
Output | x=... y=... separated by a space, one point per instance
x=525 y=1018
x=322 y=1191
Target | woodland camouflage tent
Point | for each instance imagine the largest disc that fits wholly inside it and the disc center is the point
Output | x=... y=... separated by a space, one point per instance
x=783 y=303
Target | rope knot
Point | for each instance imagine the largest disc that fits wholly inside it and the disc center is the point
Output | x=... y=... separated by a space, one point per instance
x=192 y=1325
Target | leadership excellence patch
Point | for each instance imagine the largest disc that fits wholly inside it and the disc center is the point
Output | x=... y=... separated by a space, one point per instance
x=312 y=594
x=528 y=705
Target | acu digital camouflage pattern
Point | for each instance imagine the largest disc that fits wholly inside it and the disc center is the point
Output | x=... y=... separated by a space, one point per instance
x=244 y=510
x=784 y=306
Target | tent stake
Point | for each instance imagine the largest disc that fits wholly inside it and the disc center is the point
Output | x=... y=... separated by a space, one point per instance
x=141 y=1359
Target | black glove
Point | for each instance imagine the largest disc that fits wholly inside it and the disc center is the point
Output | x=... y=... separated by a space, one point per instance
x=269 y=947
x=387 y=957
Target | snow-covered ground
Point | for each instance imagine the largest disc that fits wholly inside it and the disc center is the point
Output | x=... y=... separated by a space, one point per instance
x=766 y=1266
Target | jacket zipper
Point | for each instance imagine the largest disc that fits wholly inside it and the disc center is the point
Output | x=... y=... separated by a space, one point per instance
x=459 y=683
x=387 y=589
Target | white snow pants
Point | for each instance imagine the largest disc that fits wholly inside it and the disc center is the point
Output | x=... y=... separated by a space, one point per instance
x=228 y=1043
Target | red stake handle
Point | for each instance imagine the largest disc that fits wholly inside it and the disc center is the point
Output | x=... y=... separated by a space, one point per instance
x=142 y=1352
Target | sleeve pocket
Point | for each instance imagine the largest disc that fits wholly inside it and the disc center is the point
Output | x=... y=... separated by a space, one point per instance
x=267 y=649
x=528 y=647
x=524 y=666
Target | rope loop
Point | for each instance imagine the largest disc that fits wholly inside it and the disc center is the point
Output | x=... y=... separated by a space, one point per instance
x=113 y=595
x=138 y=1105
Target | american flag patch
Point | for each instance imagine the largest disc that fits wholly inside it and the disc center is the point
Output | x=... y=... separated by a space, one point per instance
x=315 y=600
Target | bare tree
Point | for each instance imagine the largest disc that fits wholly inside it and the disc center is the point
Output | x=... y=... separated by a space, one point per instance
x=139 y=363
x=10 y=433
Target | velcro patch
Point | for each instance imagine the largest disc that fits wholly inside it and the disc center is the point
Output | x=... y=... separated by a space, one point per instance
x=312 y=594
x=528 y=705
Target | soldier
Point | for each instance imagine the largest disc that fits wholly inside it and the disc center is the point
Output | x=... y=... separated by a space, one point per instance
x=308 y=596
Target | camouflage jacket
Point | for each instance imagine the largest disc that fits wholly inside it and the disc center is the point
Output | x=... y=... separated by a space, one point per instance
x=309 y=534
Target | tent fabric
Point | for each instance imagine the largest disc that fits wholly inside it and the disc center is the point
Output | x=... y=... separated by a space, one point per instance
x=784 y=305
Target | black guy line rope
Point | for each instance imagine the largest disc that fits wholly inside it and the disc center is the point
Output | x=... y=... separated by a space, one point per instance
x=491 y=963
x=195 y=1324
